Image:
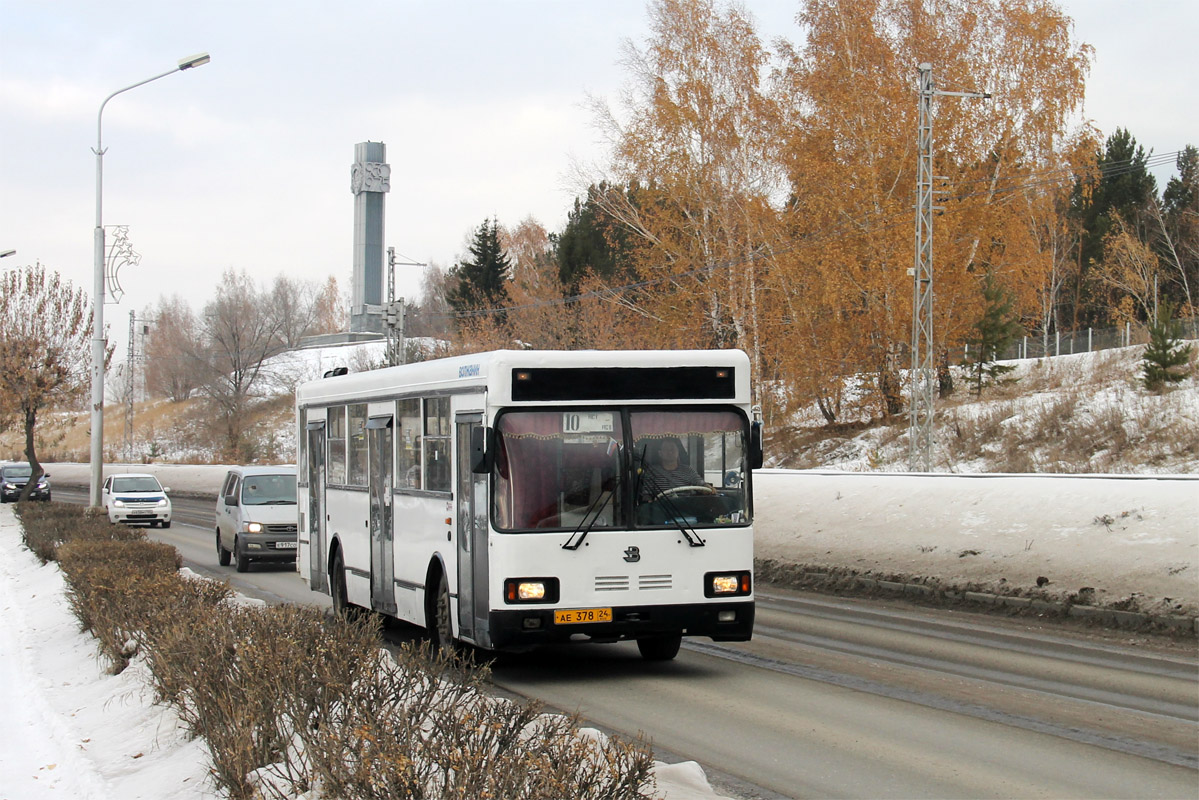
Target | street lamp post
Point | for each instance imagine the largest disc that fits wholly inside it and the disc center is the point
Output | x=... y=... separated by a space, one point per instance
x=97 y=437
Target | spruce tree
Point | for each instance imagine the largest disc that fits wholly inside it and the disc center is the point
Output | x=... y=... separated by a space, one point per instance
x=481 y=281
x=993 y=333
x=1166 y=358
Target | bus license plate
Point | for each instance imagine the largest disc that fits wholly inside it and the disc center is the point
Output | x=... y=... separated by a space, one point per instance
x=573 y=616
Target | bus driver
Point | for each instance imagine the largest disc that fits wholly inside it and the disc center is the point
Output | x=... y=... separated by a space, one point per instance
x=664 y=471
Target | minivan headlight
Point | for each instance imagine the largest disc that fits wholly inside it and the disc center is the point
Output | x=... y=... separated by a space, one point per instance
x=163 y=502
x=253 y=527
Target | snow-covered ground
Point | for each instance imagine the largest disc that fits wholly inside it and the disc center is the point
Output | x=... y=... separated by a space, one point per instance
x=71 y=731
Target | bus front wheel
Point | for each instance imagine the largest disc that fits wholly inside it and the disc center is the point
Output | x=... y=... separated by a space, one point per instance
x=441 y=628
x=337 y=587
x=660 y=648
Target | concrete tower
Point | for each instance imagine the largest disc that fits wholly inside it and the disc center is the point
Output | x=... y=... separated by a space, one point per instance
x=370 y=181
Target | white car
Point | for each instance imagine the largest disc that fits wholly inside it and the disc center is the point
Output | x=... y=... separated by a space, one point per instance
x=136 y=497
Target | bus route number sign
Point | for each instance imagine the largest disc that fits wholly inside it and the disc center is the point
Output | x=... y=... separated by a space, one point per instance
x=587 y=422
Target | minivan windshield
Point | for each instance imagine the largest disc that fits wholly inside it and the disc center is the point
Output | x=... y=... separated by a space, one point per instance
x=146 y=483
x=268 y=490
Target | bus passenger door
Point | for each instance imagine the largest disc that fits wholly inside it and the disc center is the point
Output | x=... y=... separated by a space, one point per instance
x=317 y=577
x=471 y=493
x=379 y=456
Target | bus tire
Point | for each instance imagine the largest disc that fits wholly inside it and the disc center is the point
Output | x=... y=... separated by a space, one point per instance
x=223 y=556
x=441 y=623
x=660 y=648
x=337 y=587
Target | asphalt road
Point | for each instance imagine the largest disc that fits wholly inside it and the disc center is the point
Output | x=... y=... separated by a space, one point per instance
x=849 y=698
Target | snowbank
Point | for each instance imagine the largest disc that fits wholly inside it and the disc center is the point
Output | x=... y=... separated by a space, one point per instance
x=1119 y=535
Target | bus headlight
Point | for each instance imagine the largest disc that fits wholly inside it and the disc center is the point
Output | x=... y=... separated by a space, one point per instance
x=531 y=590
x=727 y=584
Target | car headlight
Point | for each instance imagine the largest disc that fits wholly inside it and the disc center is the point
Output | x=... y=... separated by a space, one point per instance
x=531 y=590
x=253 y=527
x=727 y=584
x=163 y=502
x=119 y=503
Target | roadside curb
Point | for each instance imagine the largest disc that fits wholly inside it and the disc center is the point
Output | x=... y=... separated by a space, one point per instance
x=815 y=579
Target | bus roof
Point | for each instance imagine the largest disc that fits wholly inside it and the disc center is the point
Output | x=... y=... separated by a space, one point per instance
x=494 y=373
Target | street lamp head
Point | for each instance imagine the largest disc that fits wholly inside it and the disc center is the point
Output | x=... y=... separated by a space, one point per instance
x=7 y=253
x=198 y=60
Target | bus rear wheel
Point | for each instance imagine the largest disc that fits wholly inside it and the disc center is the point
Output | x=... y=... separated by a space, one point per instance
x=660 y=648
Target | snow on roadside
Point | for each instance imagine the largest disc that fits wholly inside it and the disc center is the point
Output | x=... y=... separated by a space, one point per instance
x=70 y=730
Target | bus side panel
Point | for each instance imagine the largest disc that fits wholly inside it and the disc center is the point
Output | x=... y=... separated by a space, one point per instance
x=349 y=524
x=421 y=533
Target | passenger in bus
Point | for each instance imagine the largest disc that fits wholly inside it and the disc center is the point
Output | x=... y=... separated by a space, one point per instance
x=664 y=470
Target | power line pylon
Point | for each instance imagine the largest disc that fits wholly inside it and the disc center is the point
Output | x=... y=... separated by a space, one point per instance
x=924 y=374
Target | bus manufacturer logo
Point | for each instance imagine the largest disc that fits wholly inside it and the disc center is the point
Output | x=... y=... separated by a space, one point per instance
x=469 y=371
x=633 y=554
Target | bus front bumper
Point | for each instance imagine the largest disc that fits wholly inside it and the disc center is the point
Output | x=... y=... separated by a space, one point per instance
x=530 y=625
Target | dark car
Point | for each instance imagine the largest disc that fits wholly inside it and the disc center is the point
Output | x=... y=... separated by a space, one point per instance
x=14 y=477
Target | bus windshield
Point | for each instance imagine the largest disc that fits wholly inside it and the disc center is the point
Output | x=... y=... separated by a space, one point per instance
x=610 y=467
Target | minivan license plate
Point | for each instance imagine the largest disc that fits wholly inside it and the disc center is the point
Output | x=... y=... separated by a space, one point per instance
x=574 y=616
x=285 y=545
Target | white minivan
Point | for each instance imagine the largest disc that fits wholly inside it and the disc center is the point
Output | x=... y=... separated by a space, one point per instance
x=257 y=516
x=136 y=497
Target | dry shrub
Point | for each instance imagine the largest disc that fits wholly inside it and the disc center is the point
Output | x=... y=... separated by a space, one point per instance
x=241 y=678
x=112 y=585
x=288 y=699
x=421 y=726
x=49 y=525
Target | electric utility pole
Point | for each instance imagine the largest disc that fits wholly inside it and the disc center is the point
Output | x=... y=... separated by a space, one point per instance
x=132 y=359
x=395 y=312
x=924 y=373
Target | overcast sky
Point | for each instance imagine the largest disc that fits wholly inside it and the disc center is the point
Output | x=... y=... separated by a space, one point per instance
x=245 y=162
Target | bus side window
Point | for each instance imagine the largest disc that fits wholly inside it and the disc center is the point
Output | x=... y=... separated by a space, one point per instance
x=408 y=460
x=337 y=446
x=437 y=444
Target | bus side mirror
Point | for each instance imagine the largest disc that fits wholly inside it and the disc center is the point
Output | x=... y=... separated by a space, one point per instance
x=755 y=445
x=482 y=450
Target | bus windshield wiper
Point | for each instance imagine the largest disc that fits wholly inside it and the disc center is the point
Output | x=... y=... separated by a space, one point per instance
x=584 y=528
x=659 y=495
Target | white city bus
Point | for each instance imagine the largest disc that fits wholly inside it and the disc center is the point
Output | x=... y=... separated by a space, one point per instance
x=514 y=498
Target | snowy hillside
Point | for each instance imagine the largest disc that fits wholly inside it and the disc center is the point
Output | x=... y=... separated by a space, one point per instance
x=1077 y=414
